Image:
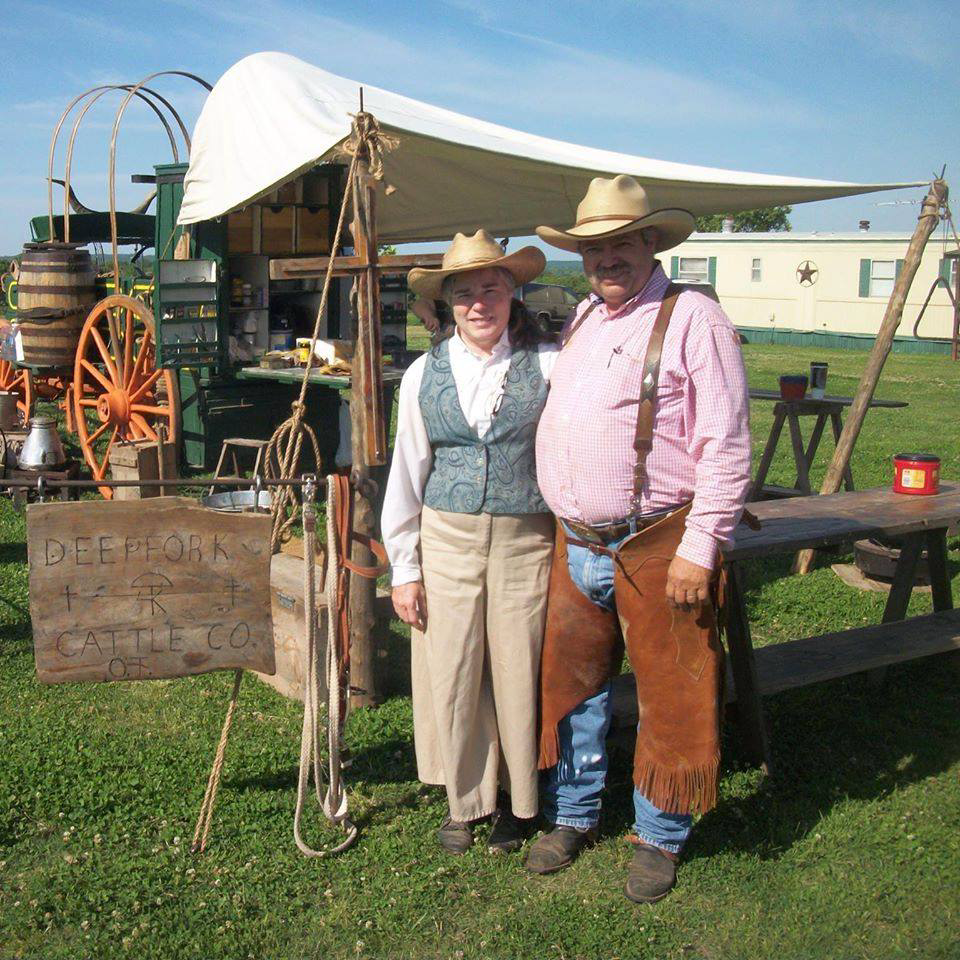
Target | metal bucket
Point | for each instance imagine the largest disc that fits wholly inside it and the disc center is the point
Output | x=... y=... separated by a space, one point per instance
x=238 y=501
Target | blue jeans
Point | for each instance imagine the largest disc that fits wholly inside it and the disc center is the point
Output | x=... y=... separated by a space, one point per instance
x=572 y=789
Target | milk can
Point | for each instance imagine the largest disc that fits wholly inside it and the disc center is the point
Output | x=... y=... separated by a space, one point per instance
x=42 y=449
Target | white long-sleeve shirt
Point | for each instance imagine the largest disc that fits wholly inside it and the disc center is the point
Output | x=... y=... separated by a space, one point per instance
x=480 y=384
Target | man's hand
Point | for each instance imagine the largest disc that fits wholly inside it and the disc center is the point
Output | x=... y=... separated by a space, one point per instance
x=688 y=584
x=410 y=602
x=424 y=309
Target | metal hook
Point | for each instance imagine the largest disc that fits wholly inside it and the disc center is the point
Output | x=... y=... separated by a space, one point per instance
x=41 y=488
x=257 y=490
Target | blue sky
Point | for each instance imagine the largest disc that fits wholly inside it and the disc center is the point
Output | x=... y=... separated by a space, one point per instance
x=864 y=91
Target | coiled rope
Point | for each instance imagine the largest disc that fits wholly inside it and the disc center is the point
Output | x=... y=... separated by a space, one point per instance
x=334 y=803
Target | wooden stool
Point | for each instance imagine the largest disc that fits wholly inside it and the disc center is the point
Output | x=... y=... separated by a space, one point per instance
x=232 y=446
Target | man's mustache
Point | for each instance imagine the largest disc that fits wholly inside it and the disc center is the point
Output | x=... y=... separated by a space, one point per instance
x=608 y=271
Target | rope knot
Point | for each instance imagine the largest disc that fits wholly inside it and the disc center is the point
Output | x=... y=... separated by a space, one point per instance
x=368 y=140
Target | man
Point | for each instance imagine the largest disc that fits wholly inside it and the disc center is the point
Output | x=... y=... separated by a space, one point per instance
x=643 y=454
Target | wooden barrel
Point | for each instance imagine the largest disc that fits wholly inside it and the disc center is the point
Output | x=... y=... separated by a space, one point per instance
x=55 y=293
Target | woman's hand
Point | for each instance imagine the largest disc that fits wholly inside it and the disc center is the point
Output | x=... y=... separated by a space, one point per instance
x=410 y=602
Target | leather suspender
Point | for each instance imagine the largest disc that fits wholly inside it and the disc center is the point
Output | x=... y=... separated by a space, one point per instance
x=583 y=316
x=643 y=437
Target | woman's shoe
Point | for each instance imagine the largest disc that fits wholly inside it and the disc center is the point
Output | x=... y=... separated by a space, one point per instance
x=455 y=836
x=509 y=832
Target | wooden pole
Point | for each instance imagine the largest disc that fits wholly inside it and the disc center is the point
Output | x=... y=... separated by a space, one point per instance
x=926 y=224
x=365 y=386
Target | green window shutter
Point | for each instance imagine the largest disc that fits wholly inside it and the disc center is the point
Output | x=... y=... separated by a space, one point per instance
x=864 y=278
x=945 y=270
x=712 y=271
x=674 y=268
x=899 y=267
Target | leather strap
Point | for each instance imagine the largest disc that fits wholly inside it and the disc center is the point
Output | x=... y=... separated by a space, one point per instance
x=346 y=537
x=583 y=316
x=643 y=437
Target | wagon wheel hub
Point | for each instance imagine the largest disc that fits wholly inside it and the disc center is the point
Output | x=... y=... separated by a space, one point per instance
x=114 y=408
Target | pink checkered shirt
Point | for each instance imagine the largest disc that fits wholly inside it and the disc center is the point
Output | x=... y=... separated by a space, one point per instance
x=701 y=432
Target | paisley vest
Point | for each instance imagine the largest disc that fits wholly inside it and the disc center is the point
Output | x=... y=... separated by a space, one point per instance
x=496 y=473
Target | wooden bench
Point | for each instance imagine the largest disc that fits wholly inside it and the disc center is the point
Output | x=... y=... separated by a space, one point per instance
x=798 y=523
x=800 y=663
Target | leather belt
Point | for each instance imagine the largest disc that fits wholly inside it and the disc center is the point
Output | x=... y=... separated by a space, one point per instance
x=605 y=533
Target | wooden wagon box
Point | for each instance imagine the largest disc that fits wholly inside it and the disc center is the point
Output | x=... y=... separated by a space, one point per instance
x=289 y=639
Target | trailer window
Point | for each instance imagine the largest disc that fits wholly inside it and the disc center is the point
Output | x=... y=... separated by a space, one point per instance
x=882 y=274
x=693 y=269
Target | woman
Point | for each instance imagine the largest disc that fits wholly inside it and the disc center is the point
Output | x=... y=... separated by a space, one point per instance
x=470 y=539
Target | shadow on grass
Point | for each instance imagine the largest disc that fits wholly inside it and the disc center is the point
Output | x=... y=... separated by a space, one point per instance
x=831 y=743
x=13 y=553
x=391 y=761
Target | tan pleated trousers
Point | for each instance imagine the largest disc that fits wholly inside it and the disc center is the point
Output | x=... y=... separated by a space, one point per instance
x=475 y=669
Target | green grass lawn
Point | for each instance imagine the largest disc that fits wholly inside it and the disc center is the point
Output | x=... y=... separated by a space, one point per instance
x=852 y=852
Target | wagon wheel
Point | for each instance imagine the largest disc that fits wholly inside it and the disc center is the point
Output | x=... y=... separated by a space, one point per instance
x=18 y=380
x=120 y=402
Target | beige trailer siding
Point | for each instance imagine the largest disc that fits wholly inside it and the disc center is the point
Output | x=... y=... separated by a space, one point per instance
x=834 y=303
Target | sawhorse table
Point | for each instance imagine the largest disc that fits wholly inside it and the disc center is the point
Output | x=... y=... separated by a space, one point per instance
x=789 y=412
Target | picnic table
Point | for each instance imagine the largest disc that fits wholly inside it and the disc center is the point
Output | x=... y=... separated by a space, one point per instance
x=789 y=412
x=794 y=524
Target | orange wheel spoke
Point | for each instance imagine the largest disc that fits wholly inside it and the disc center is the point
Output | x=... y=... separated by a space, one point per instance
x=137 y=368
x=96 y=374
x=146 y=385
x=98 y=433
x=128 y=345
x=105 y=355
x=87 y=402
x=137 y=418
x=100 y=470
x=153 y=411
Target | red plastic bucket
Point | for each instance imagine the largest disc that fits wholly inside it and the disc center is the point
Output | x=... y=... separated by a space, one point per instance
x=916 y=473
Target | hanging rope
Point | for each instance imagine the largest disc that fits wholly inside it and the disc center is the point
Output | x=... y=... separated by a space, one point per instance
x=202 y=830
x=283 y=451
x=282 y=461
x=334 y=803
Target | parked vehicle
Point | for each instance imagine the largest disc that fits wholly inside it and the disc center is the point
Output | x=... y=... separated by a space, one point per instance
x=549 y=302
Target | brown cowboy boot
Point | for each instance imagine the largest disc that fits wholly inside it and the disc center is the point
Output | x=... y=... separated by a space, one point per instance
x=653 y=872
x=558 y=848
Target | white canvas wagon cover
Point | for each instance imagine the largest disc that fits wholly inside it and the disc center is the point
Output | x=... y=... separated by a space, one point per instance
x=272 y=116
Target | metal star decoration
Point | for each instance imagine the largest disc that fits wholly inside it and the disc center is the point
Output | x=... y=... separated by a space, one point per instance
x=807 y=273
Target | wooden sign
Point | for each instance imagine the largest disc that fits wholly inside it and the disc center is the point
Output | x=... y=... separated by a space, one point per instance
x=142 y=590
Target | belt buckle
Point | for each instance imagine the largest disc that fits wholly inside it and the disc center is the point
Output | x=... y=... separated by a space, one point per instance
x=585 y=531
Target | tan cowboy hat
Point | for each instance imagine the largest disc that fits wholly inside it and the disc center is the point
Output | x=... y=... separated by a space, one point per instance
x=477 y=253
x=618 y=206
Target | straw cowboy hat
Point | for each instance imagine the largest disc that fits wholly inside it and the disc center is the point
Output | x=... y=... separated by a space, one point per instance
x=477 y=253
x=611 y=207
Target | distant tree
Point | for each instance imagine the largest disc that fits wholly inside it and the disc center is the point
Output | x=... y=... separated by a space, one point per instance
x=572 y=278
x=764 y=220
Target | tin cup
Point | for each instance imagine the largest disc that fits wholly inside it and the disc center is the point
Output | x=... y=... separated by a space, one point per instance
x=818 y=380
